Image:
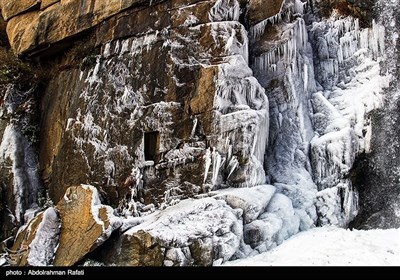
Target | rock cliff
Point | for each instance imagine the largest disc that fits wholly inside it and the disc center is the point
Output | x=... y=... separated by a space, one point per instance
x=183 y=132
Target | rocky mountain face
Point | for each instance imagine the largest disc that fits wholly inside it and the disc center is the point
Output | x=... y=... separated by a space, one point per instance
x=189 y=132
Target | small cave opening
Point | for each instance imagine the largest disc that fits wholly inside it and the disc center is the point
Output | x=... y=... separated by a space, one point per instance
x=151 y=145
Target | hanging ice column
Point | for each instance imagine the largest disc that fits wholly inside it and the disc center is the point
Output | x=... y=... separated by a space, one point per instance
x=352 y=38
x=224 y=8
x=288 y=9
x=285 y=54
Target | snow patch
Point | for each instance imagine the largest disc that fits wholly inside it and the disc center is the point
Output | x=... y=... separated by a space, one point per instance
x=330 y=246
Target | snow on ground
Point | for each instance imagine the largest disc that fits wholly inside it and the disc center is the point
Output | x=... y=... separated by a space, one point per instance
x=330 y=246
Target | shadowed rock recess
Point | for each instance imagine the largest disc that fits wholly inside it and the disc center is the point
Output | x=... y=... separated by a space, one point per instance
x=190 y=132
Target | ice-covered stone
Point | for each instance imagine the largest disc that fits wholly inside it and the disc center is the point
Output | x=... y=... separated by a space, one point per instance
x=36 y=243
x=252 y=201
x=337 y=205
x=196 y=232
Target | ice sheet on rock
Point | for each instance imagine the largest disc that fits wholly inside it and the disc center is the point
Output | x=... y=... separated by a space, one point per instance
x=348 y=69
x=181 y=155
x=338 y=205
x=333 y=156
x=243 y=122
x=289 y=60
x=302 y=196
x=262 y=234
x=340 y=117
x=252 y=201
x=44 y=245
x=178 y=256
x=130 y=222
x=326 y=115
x=26 y=183
x=231 y=36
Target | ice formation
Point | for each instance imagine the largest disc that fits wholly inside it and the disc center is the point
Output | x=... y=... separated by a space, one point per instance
x=334 y=66
x=15 y=147
x=275 y=128
x=288 y=9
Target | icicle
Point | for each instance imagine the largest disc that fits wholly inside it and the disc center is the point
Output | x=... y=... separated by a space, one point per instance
x=261 y=139
x=351 y=38
x=223 y=8
x=299 y=7
x=245 y=46
x=216 y=162
x=286 y=52
x=233 y=164
x=195 y=120
x=258 y=29
x=305 y=77
x=207 y=164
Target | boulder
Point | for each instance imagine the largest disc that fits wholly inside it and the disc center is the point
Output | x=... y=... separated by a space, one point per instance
x=252 y=201
x=193 y=232
x=63 y=235
x=281 y=207
x=262 y=234
x=86 y=224
x=36 y=243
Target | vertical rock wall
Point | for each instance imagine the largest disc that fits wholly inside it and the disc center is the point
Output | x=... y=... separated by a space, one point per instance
x=179 y=113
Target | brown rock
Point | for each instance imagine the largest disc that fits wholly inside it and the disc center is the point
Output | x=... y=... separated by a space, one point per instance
x=3 y=33
x=140 y=249
x=20 y=31
x=66 y=19
x=47 y=3
x=203 y=100
x=259 y=10
x=11 y=8
x=362 y=9
x=85 y=224
x=186 y=91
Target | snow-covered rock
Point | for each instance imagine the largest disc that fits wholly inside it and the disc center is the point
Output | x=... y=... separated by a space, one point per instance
x=252 y=201
x=44 y=245
x=37 y=241
x=193 y=232
x=83 y=218
x=337 y=205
